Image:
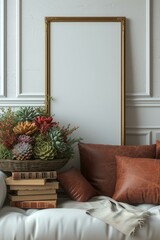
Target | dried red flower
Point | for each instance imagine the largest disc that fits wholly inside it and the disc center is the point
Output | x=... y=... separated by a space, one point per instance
x=44 y=123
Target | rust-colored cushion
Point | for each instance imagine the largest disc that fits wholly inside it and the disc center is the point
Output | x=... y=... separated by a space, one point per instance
x=75 y=185
x=98 y=164
x=157 y=149
x=138 y=180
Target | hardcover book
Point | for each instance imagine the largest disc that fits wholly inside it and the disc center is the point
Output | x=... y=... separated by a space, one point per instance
x=34 y=204
x=47 y=186
x=10 y=181
x=33 y=192
x=32 y=197
x=34 y=175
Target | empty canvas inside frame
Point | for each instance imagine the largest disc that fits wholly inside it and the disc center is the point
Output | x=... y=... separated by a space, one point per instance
x=85 y=76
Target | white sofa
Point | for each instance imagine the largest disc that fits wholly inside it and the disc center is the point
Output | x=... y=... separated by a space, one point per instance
x=68 y=221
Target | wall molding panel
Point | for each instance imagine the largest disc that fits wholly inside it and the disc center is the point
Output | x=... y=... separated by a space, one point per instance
x=148 y=65
x=19 y=93
x=140 y=133
x=18 y=49
x=15 y=102
x=147 y=92
x=142 y=102
x=151 y=132
x=140 y=127
x=22 y=57
x=3 y=49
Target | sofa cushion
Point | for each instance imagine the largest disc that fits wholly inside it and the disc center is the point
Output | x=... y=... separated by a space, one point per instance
x=98 y=164
x=138 y=180
x=75 y=185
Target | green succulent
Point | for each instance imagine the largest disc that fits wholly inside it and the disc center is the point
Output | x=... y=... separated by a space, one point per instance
x=57 y=140
x=64 y=147
x=29 y=113
x=44 y=150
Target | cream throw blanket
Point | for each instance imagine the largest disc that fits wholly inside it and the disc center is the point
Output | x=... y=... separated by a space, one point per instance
x=122 y=216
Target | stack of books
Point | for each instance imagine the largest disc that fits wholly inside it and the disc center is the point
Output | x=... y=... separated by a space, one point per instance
x=33 y=189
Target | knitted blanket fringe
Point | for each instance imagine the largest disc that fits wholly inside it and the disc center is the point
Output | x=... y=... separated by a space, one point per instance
x=122 y=216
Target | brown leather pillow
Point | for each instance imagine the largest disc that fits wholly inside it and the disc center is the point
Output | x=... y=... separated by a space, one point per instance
x=98 y=164
x=75 y=185
x=138 y=180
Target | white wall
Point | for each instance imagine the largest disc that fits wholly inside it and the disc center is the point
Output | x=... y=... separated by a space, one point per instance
x=22 y=55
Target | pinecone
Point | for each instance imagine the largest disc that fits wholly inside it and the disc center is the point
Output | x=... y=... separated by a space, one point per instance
x=22 y=151
x=25 y=139
x=26 y=127
x=44 y=150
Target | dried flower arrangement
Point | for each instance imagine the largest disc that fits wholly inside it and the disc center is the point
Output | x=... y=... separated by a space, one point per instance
x=29 y=133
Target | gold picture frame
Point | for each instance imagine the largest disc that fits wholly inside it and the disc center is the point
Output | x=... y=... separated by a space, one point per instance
x=85 y=71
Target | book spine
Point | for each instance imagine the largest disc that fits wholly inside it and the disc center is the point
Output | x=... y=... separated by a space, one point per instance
x=47 y=186
x=32 y=197
x=33 y=192
x=34 y=204
x=34 y=175
x=10 y=181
